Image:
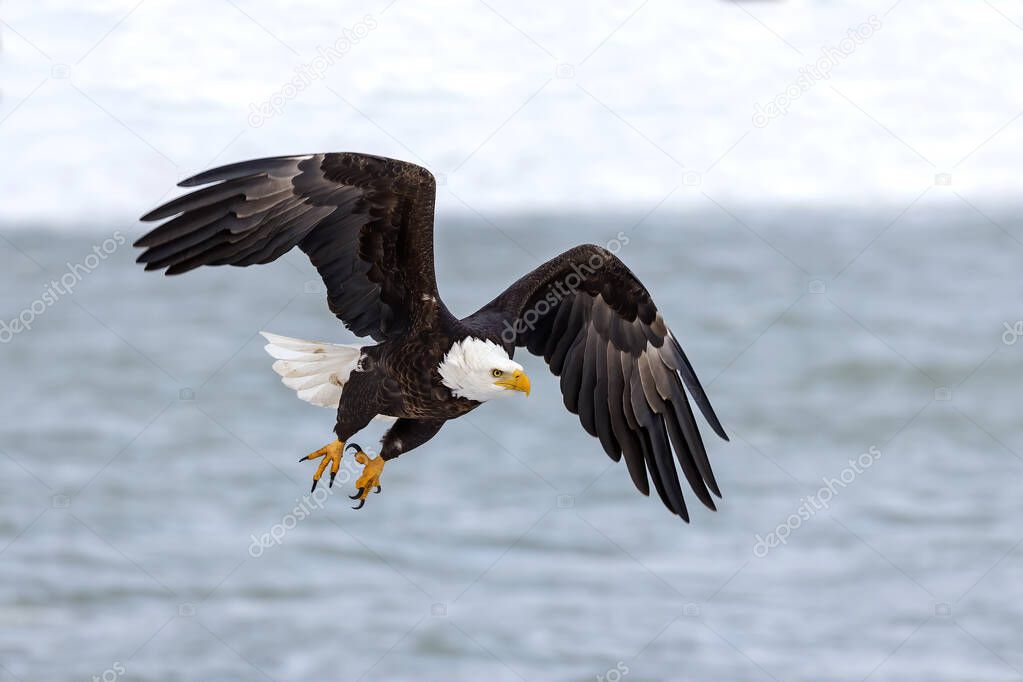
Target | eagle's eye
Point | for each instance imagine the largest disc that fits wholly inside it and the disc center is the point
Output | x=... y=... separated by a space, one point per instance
x=496 y=373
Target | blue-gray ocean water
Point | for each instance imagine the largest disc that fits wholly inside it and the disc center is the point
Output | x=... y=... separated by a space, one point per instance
x=155 y=523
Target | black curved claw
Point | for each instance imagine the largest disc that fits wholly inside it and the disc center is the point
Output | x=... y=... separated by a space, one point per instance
x=305 y=458
x=359 y=506
x=313 y=489
x=357 y=494
x=377 y=490
x=357 y=447
x=332 y=476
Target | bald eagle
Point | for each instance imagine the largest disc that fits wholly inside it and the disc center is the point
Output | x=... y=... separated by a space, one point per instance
x=366 y=223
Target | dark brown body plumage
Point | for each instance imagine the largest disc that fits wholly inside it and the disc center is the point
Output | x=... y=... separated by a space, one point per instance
x=400 y=379
x=366 y=223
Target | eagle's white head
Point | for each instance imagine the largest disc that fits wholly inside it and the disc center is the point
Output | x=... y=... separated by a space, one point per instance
x=481 y=370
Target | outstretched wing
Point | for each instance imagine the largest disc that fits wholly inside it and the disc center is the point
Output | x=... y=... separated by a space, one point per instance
x=366 y=223
x=621 y=368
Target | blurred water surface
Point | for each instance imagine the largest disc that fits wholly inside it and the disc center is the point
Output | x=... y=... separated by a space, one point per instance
x=145 y=442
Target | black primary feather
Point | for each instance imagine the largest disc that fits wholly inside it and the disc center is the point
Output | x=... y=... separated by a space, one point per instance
x=622 y=371
x=366 y=223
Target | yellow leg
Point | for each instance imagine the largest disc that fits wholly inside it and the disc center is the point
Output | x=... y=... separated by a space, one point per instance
x=372 y=467
x=331 y=454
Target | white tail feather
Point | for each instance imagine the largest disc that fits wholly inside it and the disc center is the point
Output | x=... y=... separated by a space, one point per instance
x=317 y=371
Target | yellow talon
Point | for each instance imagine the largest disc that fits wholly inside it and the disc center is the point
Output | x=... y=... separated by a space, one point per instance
x=331 y=454
x=372 y=467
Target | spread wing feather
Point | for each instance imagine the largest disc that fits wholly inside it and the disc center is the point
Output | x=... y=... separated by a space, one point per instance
x=622 y=370
x=366 y=223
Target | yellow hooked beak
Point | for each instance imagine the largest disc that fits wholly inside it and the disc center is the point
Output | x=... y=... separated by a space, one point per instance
x=517 y=381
